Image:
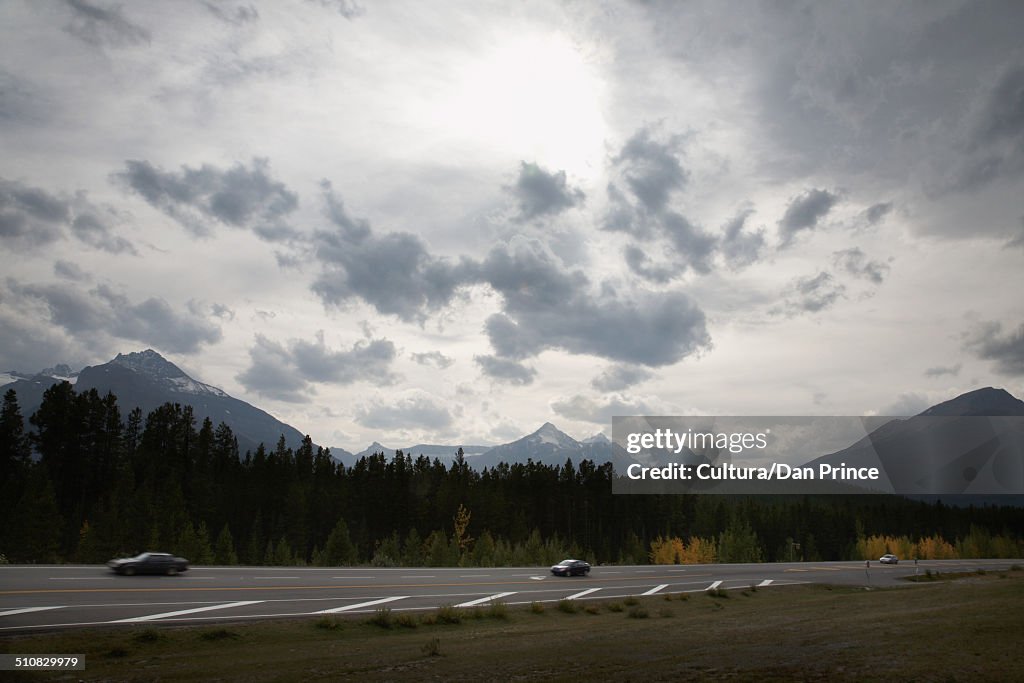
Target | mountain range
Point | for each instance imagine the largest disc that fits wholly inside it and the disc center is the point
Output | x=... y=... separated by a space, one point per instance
x=147 y=380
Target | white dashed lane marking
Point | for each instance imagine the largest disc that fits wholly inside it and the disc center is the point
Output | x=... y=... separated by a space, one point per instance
x=360 y=605
x=489 y=598
x=655 y=589
x=162 y=615
x=26 y=610
x=582 y=593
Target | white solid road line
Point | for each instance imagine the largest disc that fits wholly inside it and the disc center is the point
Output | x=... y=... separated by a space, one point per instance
x=713 y=586
x=655 y=589
x=766 y=582
x=489 y=598
x=25 y=610
x=582 y=593
x=358 y=605
x=152 y=617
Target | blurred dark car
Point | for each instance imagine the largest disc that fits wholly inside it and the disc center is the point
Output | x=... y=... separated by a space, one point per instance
x=571 y=568
x=149 y=563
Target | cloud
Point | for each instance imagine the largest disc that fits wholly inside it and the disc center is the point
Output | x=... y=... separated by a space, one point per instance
x=28 y=343
x=104 y=311
x=691 y=246
x=651 y=169
x=942 y=370
x=238 y=197
x=619 y=377
x=875 y=213
x=70 y=271
x=812 y=294
x=505 y=370
x=738 y=246
x=222 y=311
x=996 y=143
x=601 y=411
x=287 y=372
x=640 y=263
x=242 y=14
x=31 y=217
x=906 y=405
x=272 y=373
x=541 y=193
x=548 y=307
x=856 y=263
x=988 y=342
x=1016 y=242
x=804 y=212
x=433 y=358
x=368 y=361
x=393 y=272
x=104 y=26
x=346 y=8
x=413 y=409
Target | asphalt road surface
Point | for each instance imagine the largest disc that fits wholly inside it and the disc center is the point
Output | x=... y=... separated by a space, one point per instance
x=48 y=597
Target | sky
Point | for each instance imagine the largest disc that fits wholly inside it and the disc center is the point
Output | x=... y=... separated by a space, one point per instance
x=451 y=222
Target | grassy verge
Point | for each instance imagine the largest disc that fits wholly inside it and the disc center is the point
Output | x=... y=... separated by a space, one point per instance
x=945 y=631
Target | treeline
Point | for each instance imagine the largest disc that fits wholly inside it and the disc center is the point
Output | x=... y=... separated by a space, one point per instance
x=80 y=481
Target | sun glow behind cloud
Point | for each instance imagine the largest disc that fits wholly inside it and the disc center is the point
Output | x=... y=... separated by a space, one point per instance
x=534 y=97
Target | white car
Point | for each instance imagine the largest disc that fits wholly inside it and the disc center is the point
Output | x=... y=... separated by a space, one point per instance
x=889 y=558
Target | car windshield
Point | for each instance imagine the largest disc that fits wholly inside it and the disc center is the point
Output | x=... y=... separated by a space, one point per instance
x=565 y=563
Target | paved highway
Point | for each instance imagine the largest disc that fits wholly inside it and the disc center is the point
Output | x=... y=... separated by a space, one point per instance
x=47 y=597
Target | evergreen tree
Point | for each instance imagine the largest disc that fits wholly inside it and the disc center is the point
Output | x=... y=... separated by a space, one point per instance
x=225 y=548
x=339 y=549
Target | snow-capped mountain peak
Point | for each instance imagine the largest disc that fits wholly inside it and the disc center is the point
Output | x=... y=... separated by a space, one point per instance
x=550 y=434
x=155 y=366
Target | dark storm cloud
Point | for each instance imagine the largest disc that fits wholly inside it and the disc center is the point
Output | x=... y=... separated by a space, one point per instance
x=70 y=271
x=286 y=372
x=433 y=358
x=346 y=8
x=804 y=212
x=651 y=169
x=997 y=142
x=368 y=361
x=31 y=217
x=652 y=172
x=238 y=15
x=691 y=246
x=91 y=229
x=548 y=307
x=876 y=212
x=505 y=370
x=272 y=373
x=619 y=377
x=404 y=412
x=27 y=345
x=393 y=272
x=640 y=263
x=104 y=26
x=103 y=310
x=1017 y=242
x=988 y=342
x=541 y=193
x=856 y=263
x=943 y=370
x=239 y=197
x=739 y=246
x=811 y=294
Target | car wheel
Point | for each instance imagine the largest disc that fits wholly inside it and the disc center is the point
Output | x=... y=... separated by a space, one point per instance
x=129 y=571
x=171 y=571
